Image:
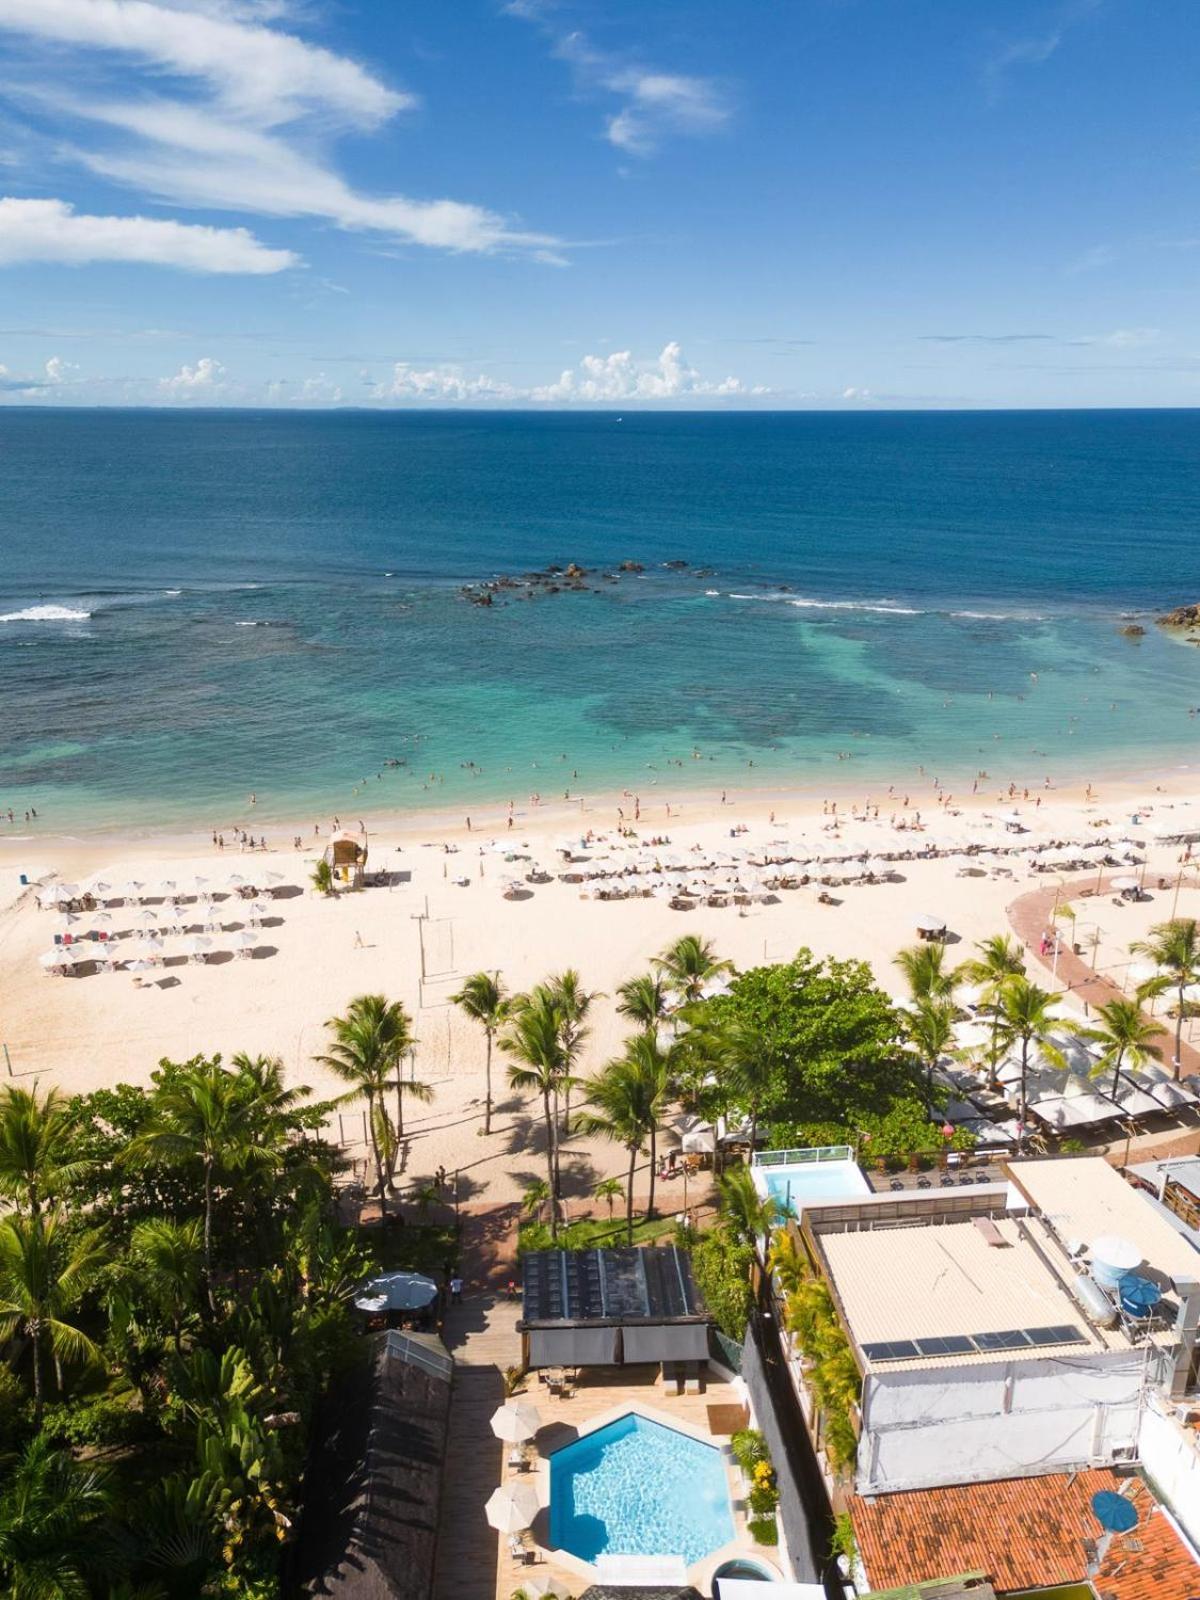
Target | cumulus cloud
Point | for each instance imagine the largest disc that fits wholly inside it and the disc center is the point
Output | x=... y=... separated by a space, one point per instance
x=440 y=383
x=856 y=394
x=60 y=371
x=205 y=378
x=620 y=377
x=244 y=124
x=52 y=231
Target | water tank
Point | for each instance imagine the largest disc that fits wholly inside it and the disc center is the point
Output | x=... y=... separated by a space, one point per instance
x=1094 y=1301
x=1112 y=1257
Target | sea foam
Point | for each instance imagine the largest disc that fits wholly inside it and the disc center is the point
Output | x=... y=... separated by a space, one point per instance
x=46 y=614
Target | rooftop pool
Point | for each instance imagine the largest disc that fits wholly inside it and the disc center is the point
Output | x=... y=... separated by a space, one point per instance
x=798 y=1178
x=636 y=1487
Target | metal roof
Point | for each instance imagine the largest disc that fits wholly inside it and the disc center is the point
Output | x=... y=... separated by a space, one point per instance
x=1083 y=1198
x=638 y=1284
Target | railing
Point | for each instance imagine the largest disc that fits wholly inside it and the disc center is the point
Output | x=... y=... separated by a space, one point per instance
x=438 y=1363
x=802 y=1158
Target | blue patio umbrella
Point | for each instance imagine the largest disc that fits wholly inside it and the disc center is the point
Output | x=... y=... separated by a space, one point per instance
x=1138 y=1295
x=1113 y=1512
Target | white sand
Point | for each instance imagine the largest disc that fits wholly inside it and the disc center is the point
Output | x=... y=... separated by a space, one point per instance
x=85 y=1032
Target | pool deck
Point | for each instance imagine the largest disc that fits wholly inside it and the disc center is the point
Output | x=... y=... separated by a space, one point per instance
x=473 y=1560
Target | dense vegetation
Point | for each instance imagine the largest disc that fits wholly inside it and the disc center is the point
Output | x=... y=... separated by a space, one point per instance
x=174 y=1294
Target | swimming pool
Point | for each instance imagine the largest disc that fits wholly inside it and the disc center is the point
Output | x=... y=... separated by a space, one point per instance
x=636 y=1487
x=794 y=1187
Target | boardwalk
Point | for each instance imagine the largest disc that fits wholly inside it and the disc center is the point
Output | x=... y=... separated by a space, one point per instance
x=1030 y=916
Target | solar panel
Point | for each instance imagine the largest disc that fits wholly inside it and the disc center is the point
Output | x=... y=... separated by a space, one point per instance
x=891 y=1350
x=956 y=1344
x=1062 y=1333
x=1006 y=1339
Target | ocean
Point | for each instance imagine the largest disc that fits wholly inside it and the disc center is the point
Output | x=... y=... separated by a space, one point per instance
x=197 y=606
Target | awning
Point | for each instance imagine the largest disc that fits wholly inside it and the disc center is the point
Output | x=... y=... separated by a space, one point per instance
x=666 y=1341
x=574 y=1347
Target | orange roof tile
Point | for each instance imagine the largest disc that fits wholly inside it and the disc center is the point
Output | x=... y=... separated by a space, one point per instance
x=1025 y=1533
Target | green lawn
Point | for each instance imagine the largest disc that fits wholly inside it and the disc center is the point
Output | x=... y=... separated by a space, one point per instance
x=592 y=1233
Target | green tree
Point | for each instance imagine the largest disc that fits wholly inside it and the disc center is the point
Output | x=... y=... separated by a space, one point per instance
x=482 y=999
x=1174 y=948
x=532 y=1037
x=643 y=1000
x=746 y=1214
x=930 y=1031
x=573 y=1003
x=1125 y=1038
x=52 y=1517
x=199 y=1121
x=1028 y=1022
x=608 y=1190
x=45 y=1272
x=168 y=1261
x=367 y=1052
x=627 y=1100
x=38 y=1146
x=689 y=963
x=997 y=959
x=535 y=1195
x=925 y=971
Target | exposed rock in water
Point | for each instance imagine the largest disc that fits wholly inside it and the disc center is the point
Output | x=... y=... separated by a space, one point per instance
x=631 y=566
x=1132 y=630
x=1182 y=617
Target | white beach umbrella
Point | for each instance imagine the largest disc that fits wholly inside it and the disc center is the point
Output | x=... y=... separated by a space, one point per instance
x=167 y=885
x=236 y=881
x=200 y=883
x=198 y=944
x=546 y=1588
x=132 y=889
x=516 y=1421
x=137 y=966
x=148 y=918
x=1127 y=881
x=55 y=958
x=274 y=878
x=512 y=1507
x=99 y=887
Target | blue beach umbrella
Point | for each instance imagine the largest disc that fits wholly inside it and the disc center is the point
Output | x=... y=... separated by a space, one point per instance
x=1113 y=1512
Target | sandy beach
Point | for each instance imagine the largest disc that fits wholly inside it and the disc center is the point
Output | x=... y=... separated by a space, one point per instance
x=444 y=913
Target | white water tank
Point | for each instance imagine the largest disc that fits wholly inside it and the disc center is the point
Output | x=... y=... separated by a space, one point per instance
x=1112 y=1257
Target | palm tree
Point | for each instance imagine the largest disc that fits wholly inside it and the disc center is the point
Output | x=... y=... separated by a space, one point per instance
x=930 y=1031
x=51 y=1511
x=574 y=1002
x=200 y=1117
x=533 y=1039
x=482 y=998
x=534 y=1197
x=999 y=959
x=1124 y=1035
x=169 y=1261
x=1174 y=948
x=748 y=1215
x=608 y=1190
x=689 y=963
x=36 y=1145
x=745 y=1064
x=628 y=1099
x=44 y=1274
x=924 y=969
x=1026 y=1021
x=643 y=1000
x=368 y=1049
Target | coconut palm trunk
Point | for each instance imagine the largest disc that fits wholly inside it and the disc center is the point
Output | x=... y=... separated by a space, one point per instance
x=629 y=1194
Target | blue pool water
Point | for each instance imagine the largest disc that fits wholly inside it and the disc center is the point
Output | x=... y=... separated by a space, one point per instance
x=638 y=1488
x=795 y=1187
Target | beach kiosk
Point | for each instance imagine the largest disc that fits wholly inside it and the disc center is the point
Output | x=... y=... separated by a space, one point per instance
x=346 y=854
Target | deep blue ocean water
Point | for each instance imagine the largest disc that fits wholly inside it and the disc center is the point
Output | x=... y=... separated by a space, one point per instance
x=194 y=606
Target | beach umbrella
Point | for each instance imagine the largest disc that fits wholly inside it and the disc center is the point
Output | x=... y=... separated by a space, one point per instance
x=102 y=916
x=274 y=878
x=137 y=966
x=1113 y=1512
x=247 y=940
x=516 y=1421
x=1127 y=881
x=167 y=885
x=512 y=1507
x=148 y=918
x=200 y=883
x=236 y=881
x=55 y=958
x=132 y=888
x=198 y=944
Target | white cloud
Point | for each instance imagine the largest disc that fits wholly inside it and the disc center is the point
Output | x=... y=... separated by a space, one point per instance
x=620 y=377
x=243 y=124
x=52 y=231
x=655 y=103
x=60 y=371
x=270 y=74
x=205 y=378
x=856 y=394
x=440 y=383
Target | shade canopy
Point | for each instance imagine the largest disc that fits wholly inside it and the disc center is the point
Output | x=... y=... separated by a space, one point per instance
x=1113 y=1512
x=398 y=1291
x=512 y=1507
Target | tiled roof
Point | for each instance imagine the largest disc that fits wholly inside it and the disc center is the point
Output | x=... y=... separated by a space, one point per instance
x=1025 y=1533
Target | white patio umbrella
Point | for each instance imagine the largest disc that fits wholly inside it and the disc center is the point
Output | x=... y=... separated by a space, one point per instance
x=546 y=1588
x=148 y=918
x=167 y=885
x=274 y=878
x=1126 y=881
x=512 y=1507
x=247 y=940
x=236 y=881
x=132 y=889
x=100 y=888
x=56 y=958
x=200 y=883
x=516 y=1421
x=198 y=944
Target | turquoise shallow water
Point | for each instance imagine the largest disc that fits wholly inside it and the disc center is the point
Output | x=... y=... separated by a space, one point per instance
x=197 y=606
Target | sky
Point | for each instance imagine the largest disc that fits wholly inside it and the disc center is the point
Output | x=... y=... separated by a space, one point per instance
x=835 y=204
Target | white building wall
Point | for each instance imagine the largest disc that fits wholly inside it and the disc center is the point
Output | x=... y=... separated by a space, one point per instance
x=1171 y=1460
x=923 y=1429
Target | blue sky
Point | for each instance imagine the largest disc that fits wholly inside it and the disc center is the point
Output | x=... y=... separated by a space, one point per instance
x=762 y=203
